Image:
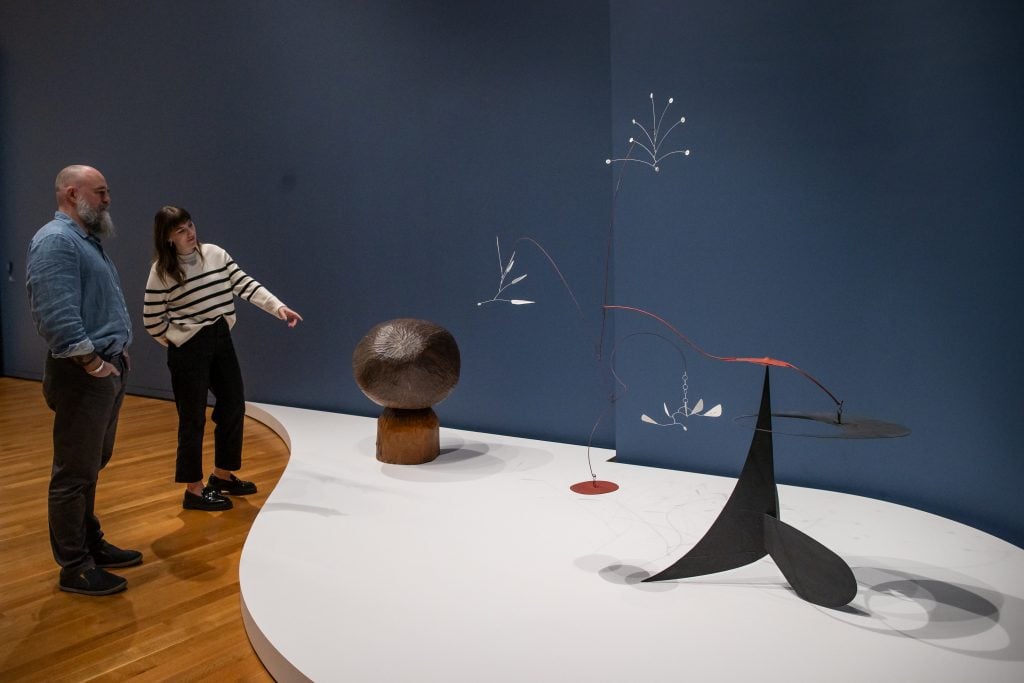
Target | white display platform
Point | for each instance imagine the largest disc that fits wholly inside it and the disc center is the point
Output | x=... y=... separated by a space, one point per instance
x=482 y=566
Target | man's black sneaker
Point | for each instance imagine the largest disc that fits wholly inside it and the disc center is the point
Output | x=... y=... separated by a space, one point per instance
x=93 y=581
x=233 y=486
x=210 y=501
x=109 y=555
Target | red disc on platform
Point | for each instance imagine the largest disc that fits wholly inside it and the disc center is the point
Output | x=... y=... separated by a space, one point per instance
x=594 y=487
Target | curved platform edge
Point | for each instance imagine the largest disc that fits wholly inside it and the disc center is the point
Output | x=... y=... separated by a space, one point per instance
x=276 y=664
x=257 y=412
x=280 y=669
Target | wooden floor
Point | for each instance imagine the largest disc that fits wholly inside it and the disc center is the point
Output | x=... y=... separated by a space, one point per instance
x=180 y=617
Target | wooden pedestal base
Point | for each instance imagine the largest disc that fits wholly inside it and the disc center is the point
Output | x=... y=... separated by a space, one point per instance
x=408 y=437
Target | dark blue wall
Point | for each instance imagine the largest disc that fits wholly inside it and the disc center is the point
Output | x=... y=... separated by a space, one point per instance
x=358 y=158
x=850 y=205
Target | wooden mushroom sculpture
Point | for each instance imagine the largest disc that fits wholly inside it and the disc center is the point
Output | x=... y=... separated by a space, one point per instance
x=407 y=365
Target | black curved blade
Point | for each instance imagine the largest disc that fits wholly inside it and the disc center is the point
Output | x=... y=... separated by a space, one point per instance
x=816 y=573
x=736 y=538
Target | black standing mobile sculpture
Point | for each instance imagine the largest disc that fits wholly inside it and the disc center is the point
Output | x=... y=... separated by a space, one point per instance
x=748 y=527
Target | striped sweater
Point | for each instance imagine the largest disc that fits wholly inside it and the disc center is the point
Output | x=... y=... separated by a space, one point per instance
x=172 y=313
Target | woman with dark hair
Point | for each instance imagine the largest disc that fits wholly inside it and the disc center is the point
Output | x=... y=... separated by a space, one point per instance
x=190 y=309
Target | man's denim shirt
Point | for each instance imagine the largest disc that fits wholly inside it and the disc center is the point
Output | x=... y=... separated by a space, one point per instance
x=75 y=293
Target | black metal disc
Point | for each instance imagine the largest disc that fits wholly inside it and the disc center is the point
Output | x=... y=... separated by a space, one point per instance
x=828 y=426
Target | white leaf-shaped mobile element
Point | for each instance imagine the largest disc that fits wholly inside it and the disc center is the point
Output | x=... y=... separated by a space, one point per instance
x=648 y=420
x=698 y=407
x=520 y=302
x=511 y=262
x=715 y=411
x=518 y=279
x=665 y=406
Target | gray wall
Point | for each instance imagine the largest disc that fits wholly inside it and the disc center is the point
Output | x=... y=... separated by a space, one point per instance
x=851 y=205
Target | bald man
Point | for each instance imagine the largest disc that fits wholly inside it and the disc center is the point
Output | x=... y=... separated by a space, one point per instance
x=79 y=310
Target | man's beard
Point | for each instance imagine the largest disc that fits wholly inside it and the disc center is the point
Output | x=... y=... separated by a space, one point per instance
x=97 y=221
